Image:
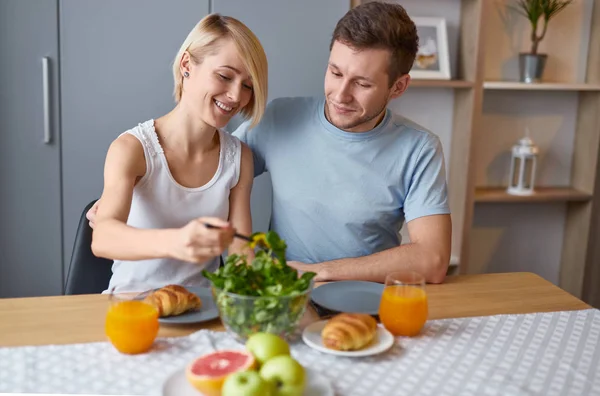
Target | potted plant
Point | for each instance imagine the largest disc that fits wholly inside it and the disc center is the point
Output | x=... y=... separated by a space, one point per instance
x=531 y=63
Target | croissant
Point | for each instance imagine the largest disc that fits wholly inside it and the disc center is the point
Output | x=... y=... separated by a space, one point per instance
x=173 y=300
x=349 y=331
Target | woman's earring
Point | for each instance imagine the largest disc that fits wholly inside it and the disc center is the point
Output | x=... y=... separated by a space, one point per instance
x=186 y=74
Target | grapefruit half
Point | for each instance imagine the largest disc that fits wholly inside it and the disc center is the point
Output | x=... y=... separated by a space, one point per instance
x=208 y=372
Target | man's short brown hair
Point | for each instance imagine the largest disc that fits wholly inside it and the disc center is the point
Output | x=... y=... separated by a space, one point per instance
x=380 y=25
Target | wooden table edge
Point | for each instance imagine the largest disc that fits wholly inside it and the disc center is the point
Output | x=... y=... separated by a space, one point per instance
x=68 y=323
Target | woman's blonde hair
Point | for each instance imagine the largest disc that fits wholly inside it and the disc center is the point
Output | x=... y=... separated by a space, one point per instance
x=203 y=40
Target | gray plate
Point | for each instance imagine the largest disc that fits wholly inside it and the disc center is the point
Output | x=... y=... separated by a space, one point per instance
x=208 y=311
x=349 y=296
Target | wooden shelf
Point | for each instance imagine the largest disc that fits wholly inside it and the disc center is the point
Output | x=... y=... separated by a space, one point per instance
x=542 y=194
x=440 y=84
x=519 y=86
x=570 y=93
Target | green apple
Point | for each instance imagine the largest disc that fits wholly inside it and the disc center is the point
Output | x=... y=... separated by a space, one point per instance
x=265 y=346
x=247 y=383
x=285 y=374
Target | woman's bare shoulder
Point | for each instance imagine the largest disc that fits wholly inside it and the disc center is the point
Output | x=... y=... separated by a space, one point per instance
x=127 y=152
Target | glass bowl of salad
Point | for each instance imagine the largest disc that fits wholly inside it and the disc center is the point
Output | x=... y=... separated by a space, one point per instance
x=265 y=295
x=244 y=315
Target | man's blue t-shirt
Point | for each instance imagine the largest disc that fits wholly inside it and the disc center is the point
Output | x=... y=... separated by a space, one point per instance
x=340 y=194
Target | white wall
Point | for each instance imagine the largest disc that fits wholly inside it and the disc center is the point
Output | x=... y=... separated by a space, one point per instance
x=517 y=237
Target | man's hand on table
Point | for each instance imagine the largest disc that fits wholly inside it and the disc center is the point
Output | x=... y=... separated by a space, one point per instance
x=318 y=268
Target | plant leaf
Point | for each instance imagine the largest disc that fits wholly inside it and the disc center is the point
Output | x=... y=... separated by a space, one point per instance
x=553 y=7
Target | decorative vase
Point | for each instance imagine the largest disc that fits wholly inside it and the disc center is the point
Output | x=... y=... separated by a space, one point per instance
x=531 y=67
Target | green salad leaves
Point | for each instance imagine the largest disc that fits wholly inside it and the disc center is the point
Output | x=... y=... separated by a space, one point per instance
x=265 y=276
x=264 y=295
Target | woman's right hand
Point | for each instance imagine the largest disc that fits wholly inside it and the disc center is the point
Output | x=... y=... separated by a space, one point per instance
x=197 y=243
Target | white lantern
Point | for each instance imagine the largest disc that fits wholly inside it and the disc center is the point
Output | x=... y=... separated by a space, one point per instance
x=522 y=167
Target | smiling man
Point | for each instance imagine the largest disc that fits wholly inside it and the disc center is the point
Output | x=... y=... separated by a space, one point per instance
x=346 y=171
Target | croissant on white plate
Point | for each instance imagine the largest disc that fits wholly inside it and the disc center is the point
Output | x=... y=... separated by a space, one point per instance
x=173 y=300
x=349 y=331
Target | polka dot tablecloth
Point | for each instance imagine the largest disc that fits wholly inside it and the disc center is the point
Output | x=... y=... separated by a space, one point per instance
x=535 y=354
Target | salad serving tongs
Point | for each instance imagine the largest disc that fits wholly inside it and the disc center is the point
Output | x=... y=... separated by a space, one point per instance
x=237 y=235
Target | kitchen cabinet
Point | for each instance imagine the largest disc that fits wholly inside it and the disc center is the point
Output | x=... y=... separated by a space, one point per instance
x=30 y=206
x=116 y=72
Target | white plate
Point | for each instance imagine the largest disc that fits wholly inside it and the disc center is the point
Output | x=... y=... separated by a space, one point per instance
x=382 y=342
x=178 y=385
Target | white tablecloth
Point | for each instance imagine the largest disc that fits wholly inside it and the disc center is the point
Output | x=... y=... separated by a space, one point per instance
x=535 y=354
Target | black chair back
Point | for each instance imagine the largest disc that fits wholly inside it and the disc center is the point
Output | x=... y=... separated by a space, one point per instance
x=87 y=274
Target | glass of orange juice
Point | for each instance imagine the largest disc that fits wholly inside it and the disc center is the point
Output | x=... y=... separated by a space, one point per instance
x=403 y=307
x=131 y=324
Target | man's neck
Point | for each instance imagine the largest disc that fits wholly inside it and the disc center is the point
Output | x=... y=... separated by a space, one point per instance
x=361 y=128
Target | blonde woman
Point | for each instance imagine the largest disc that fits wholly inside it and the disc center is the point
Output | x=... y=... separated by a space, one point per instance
x=166 y=179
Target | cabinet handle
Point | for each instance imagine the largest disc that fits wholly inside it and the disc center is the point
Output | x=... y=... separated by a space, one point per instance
x=46 y=98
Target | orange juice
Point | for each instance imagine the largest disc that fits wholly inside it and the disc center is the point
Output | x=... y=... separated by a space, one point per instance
x=403 y=309
x=132 y=326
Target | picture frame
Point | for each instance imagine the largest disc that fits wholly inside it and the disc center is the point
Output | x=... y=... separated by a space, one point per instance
x=432 y=60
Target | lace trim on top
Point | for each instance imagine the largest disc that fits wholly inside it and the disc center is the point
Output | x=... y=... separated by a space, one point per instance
x=227 y=153
x=151 y=138
x=230 y=148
